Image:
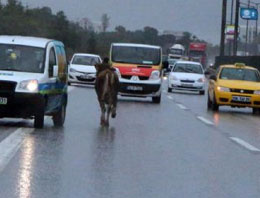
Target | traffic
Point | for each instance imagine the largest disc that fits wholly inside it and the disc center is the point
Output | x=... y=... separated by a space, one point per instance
x=106 y=109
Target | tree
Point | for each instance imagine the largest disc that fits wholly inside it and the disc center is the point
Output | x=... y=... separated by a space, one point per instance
x=105 y=22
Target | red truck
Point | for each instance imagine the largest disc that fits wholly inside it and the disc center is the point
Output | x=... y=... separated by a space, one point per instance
x=197 y=52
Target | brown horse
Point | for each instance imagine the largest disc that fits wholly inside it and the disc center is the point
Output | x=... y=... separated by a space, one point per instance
x=107 y=85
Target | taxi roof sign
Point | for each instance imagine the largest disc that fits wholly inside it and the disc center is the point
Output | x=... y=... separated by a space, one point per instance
x=240 y=64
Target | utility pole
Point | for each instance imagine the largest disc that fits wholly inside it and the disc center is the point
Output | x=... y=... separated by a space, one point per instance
x=236 y=27
x=247 y=30
x=223 y=26
x=231 y=23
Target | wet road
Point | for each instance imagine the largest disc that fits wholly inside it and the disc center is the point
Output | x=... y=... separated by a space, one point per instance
x=175 y=149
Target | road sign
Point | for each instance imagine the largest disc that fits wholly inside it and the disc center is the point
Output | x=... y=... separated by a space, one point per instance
x=249 y=13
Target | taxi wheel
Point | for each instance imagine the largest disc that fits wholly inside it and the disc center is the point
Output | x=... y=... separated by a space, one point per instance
x=214 y=105
x=157 y=100
x=59 y=117
x=209 y=103
x=256 y=111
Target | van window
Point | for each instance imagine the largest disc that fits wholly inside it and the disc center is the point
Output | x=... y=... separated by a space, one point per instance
x=21 y=58
x=52 y=61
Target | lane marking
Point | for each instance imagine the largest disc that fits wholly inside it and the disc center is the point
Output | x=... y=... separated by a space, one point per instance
x=245 y=144
x=181 y=106
x=170 y=97
x=206 y=121
x=11 y=144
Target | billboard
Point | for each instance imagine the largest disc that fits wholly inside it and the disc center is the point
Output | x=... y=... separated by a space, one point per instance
x=249 y=13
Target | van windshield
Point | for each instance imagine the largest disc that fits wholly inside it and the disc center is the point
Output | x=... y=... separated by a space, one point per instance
x=21 y=58
x=136 y=55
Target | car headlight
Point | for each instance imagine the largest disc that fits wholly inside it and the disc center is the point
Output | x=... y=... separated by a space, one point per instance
x=118 y=73
x=224 y=89
x=173 y=77
x=29 y=85
x=257 y=92
x=73 y=70
x=155 y=75
x=201 y=80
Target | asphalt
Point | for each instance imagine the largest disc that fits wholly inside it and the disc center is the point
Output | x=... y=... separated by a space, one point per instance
x=175 y=149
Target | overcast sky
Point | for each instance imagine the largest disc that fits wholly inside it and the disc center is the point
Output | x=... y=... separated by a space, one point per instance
x=201 y=17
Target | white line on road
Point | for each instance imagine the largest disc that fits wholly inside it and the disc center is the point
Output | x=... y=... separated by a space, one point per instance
x=245 y=144
x=170 y=97
x=181 y=106
x=10 y=145
x=206 y=121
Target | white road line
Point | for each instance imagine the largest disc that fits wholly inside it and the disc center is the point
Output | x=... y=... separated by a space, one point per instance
x=245 y=144
x=206 y=121
x=181 y=106
x=170 y=97
x=10 y=145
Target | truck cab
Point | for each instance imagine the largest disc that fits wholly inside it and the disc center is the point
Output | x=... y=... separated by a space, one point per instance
x=33 y=79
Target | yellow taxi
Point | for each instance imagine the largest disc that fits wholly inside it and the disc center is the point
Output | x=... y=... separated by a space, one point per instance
x=235 y=85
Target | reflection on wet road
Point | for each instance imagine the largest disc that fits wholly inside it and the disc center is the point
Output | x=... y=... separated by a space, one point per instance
x=175 y=149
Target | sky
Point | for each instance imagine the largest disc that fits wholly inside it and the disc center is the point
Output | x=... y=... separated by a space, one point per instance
x=200 y=17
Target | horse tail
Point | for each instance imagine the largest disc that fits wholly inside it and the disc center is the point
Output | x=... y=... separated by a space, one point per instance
x=106 y=86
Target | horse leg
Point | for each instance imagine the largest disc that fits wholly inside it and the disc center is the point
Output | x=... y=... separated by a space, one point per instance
x=113 y=115
x=103 y=111
x=108 y=114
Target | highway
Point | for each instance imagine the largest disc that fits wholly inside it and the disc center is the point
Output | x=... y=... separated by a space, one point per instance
x=174 y=149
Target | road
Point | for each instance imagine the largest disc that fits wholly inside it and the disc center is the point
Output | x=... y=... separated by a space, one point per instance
x=175 y=149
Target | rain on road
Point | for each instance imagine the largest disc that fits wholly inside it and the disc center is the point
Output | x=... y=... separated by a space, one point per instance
x=175 y=149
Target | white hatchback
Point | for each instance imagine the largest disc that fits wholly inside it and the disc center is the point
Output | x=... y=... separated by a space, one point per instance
x=82 y=68
x=188 y=76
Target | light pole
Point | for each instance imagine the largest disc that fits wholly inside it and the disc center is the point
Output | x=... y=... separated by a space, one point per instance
x=223 y=26
x=247 y=30
x=236 y=27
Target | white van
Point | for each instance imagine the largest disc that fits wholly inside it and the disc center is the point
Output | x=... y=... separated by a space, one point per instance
x=33 y=79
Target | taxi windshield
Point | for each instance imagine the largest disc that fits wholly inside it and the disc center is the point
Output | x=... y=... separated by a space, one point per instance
x=136 y=55
x=21 y=58
x=85 y=60
x=188 y=68
x=240 y=74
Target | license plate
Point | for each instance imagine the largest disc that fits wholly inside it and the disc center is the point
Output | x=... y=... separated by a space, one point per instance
x=134 y=88
x=3 y=101
x=186 y=85
x=241 y=99
x=86 y=77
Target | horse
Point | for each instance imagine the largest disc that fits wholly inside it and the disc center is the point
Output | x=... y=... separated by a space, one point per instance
x=106 y=86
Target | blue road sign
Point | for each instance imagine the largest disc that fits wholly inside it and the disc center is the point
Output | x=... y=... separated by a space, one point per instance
x=249 y=13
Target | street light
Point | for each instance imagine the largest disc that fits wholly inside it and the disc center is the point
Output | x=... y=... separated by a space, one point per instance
x=223 y=26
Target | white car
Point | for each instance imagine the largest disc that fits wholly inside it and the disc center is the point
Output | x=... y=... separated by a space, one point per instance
x=82 y=68
x=188 y=76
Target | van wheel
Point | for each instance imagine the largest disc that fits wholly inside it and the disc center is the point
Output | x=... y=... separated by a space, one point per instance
x=59 y=117
x=39 y=120
x=169 y=90
x=157 y=99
